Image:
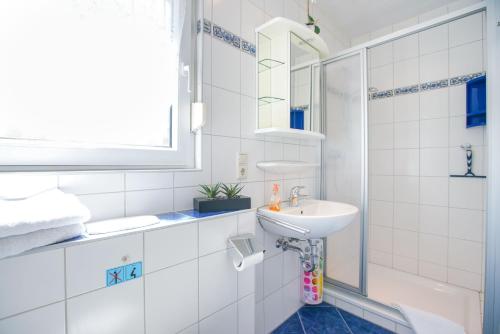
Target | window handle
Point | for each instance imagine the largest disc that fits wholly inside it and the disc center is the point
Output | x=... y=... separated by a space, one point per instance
x=186 y=71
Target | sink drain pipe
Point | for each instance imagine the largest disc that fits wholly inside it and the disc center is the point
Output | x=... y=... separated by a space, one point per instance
x=312 y=260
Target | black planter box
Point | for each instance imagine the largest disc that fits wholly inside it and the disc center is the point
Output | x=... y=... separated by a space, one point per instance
x=203 y=204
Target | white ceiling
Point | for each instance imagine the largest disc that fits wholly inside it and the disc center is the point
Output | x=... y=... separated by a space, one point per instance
x=358 y=17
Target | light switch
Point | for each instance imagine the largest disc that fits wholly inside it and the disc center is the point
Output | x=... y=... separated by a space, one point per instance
x=242 y=166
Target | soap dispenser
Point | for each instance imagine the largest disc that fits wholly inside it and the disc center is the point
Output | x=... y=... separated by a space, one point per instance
x=275 y=202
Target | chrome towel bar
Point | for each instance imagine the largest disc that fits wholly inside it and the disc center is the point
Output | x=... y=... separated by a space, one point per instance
x=281 y=223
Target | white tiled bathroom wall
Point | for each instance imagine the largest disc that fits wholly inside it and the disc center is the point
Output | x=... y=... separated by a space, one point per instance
x=189 y=284
x=421 y=220
x=229 y=92
x=277 y=281
x=443 y=10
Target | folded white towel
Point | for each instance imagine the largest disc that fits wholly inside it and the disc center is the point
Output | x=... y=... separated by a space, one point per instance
x=429 y=323
x=17 y=244
x=22 y=186
x=49 y=209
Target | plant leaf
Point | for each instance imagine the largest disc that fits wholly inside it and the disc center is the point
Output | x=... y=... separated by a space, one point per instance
x=317 y=30
x=232 y=190
x=210 y=191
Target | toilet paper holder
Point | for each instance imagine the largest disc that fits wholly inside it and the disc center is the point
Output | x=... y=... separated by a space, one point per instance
x=246 y=251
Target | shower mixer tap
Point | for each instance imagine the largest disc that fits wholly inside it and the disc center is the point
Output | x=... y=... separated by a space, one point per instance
x=468 y=152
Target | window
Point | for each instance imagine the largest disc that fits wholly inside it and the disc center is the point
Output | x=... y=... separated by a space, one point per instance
x=96 y=82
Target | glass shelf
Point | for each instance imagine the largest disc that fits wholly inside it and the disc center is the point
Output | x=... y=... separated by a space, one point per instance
x=269 y=99
x=267 y=64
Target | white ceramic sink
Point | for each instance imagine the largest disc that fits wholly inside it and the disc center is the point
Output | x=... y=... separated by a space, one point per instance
x=311 y=219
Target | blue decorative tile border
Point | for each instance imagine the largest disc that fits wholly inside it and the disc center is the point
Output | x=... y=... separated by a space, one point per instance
x=406 y=90
x=248 y=47
x=382 y=94
x=207 y=26
x=464 y=78
x=227 y=37
x=434 y=85
x=455 y=81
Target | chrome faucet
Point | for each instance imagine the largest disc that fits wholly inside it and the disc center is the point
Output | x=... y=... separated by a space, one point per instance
x=295 y=195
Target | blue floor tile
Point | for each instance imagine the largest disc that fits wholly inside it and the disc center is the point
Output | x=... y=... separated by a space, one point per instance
x=327 y=319
x=322 y=320
x=291 y=326
x=361 y=326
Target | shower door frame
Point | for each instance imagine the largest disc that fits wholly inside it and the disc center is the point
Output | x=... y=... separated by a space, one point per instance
x=362 y=53
x=363 y=50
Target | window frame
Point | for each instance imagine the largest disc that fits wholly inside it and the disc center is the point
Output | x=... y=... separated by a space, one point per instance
x=185 y=150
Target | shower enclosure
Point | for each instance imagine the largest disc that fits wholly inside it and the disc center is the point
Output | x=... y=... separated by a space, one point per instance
x=343 y=164
x=393 y=112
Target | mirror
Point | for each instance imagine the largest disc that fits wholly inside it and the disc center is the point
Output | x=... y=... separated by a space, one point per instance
x=304 y=85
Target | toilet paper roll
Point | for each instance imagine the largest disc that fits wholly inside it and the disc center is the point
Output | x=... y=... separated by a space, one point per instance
x=248 y=261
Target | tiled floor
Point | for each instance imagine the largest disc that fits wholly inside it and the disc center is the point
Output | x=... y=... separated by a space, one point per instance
x=327 y=319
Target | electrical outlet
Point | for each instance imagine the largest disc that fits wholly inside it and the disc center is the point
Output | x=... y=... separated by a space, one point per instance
x=243 y=172
x=242 y=166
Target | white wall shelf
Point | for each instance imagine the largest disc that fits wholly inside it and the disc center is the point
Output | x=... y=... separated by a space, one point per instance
x=290 y=133
x=285 y=166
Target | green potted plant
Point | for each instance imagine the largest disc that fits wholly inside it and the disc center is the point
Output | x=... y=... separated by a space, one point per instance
x=212 y=201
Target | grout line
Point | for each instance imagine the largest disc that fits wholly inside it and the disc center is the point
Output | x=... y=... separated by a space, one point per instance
x=393 y=106
x=419 y=152
x=125 y=195
x=144 y=268
x=345 y=322
x=238 y=297
x=301 y=323
x=218 y=310
x=198 y=272
x=65 y=292
x=170 y=266
x=446 y=265
x=32 y=309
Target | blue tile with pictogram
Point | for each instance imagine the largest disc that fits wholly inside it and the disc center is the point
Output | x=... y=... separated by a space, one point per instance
x=122 y=274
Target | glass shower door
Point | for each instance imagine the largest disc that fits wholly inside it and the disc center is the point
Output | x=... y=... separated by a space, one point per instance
x=343 y=173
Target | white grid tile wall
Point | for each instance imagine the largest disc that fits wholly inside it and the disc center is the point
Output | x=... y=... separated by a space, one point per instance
x=421 y=220
x=395 y=26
